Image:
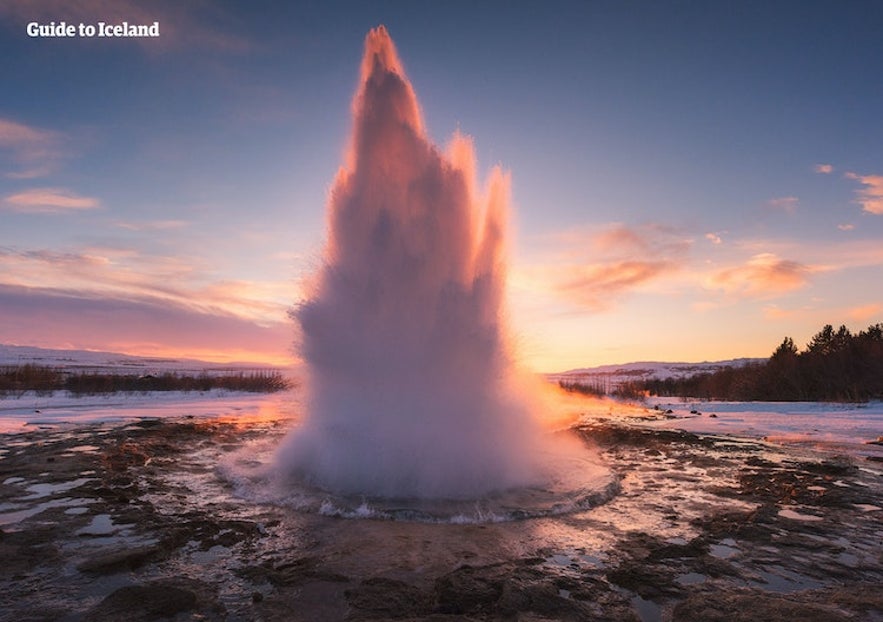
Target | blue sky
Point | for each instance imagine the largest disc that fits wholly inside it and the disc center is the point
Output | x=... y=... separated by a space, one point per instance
x=691 y=181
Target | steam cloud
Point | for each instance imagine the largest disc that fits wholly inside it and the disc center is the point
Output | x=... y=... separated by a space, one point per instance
x=411 y=389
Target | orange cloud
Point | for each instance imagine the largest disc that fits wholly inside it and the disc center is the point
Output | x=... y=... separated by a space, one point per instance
x=866 y=312
x=824 y=169
x=764 y=274
x=871 y=196
x=48 y=201
x=594 y=269
x=596 y=287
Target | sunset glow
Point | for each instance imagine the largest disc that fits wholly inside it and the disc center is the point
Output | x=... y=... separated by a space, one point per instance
x=684 y=185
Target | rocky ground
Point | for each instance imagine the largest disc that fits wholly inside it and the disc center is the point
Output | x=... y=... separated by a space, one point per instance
x=133 y=523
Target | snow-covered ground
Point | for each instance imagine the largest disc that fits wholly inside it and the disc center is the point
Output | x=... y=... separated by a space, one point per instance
x=30 y=411
x=842 y=428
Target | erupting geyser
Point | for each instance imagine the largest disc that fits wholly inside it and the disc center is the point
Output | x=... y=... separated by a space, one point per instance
x=411 y=389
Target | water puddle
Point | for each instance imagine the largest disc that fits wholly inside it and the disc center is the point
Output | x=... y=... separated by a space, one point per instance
x=14 y=517
x=783 y=581
x=647 y=610
x=38 y=491
x=725 y=549
x=691 y=578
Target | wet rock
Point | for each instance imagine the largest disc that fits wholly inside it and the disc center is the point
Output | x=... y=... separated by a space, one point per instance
x=746 y=605
x=291 y=573
x=157 y=600
x=116 y=561
x=469 y=589
x=504 y=591
x=381 y=597
x=650 y=582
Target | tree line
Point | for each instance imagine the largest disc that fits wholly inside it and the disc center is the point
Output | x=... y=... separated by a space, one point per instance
x=836 y=365
x=44 y=380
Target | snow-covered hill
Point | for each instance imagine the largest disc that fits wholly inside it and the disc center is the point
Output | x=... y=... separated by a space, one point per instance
x=610 y=376
x=112 y=362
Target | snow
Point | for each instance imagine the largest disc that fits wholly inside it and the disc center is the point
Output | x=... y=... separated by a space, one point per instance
x=834 y=427
x=29 y=411
x=26 y=411
x=615 y=374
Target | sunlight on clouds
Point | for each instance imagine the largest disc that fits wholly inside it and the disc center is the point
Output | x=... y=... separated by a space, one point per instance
x=240 y=354
x=48 y=201
x=824 y=169
x=713 y=238
x=764 y=274
x=127 y=274
x=865 y=313
x=846 y=227
x=596 y=287
x=871 y=196
x=144 y=325
x=594 y=269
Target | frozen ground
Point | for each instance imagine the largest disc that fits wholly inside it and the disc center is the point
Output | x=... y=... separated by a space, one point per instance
x=29 y=411
x=852 y=429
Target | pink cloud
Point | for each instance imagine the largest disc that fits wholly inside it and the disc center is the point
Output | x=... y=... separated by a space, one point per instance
x=48 y=200
x=824 y=169
x=871 y=196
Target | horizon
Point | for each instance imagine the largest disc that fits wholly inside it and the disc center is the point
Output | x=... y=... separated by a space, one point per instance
x=689 y=184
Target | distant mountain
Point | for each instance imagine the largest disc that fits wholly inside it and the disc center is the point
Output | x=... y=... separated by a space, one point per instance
x=111 y=362
x=612 y=375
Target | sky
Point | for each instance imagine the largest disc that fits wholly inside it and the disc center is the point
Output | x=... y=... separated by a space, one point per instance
x=690 y=181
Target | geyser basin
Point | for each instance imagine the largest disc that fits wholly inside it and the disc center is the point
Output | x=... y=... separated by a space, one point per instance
x=573 y=481
x=412 y=391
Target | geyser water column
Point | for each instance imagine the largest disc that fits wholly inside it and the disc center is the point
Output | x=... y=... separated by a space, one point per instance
x=411 y=389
